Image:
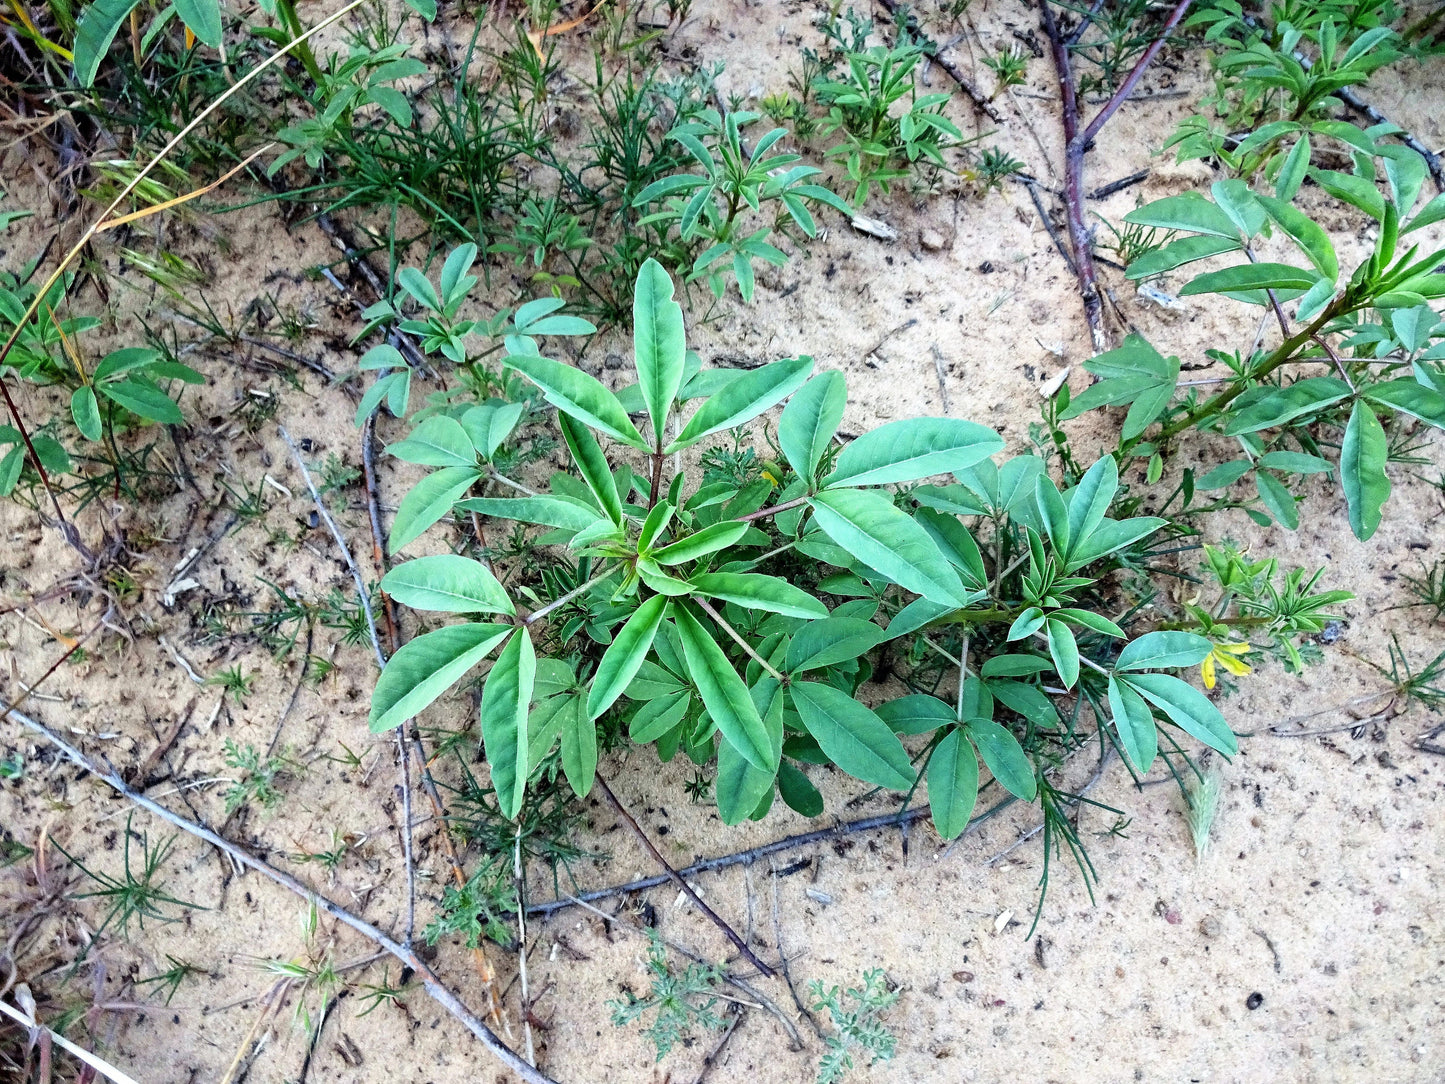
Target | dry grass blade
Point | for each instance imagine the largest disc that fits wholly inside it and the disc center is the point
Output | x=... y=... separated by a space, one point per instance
x=99 y=1064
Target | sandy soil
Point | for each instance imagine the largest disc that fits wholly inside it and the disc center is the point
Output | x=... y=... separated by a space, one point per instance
x=1306 y=945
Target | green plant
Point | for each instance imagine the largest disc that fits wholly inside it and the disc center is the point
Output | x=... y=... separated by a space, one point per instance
x=856 y=1015
x=170 y=979
x=483 y=907
x=1429 y=588
x=883 y=144
x=12 y=767
x=137 y=893
x=1277 y=77
x=257 y=779
x=234 y=681
x=709 y=209
x=680 y=1002
x=1201 y=807
x=1285 y=426
x=994 y=166
x=698 y=637
x=1010 y=68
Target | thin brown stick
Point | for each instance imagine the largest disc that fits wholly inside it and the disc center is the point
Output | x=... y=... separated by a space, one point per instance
x=430 y=980
x=1076 y=143
x=716 y=1052
x=752 y=854
x=681 y=883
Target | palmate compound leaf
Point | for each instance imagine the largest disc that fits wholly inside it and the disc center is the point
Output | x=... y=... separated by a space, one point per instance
x=1136 y=374
x=425 y=667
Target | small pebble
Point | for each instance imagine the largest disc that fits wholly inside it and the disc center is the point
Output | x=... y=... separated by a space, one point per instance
x=1254 y=1001
x=932 y=240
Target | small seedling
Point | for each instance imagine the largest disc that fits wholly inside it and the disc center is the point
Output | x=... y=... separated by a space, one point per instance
x=856 y=1014
x=483 y=907
x=169 y=980
x=678 y=1002
x=235 y=681
x=12 y=767
x=137 y=893
x=1010 y=66
x=258 y=778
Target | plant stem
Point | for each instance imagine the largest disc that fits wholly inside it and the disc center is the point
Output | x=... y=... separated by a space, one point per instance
x=514 y=485
x=1282 y=355
x=537 y=615
x=763 y=513
x=711 y=611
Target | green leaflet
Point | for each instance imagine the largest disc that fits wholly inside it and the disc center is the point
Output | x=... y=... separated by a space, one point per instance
x=869 y=527
x=798 y=792
x=93 y=34
x=1363 y=454
x=853 y=737
x=579 y=747
x=447 y=583
x=723 y=693
x=425 y=667
x=1409 y=397
x=809 y=421
x=1163 y=650
x=952 y=785
x=914 y=448
x=506 y=697
x=1187 y=707
x=143 y=398
x=1089 y=501
x=1249 y=277
x=625 y=655
x=85 y=409
x=830 y=641
x=567 y=513
x=741 y=785
x=1065 y=652
x=659 y=715
x=429 y=500
x=1279 y=405
x=700 y=543
x=915 y=714
x=657 y=343
x=438 y=441
x=1275 y=496
x=744 y=399
x=1005 y=758
x=584 y=397
x=1190 y=211
x=1305 y=233
x=593 y=466
x=1134 y=724
x=754 y=591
